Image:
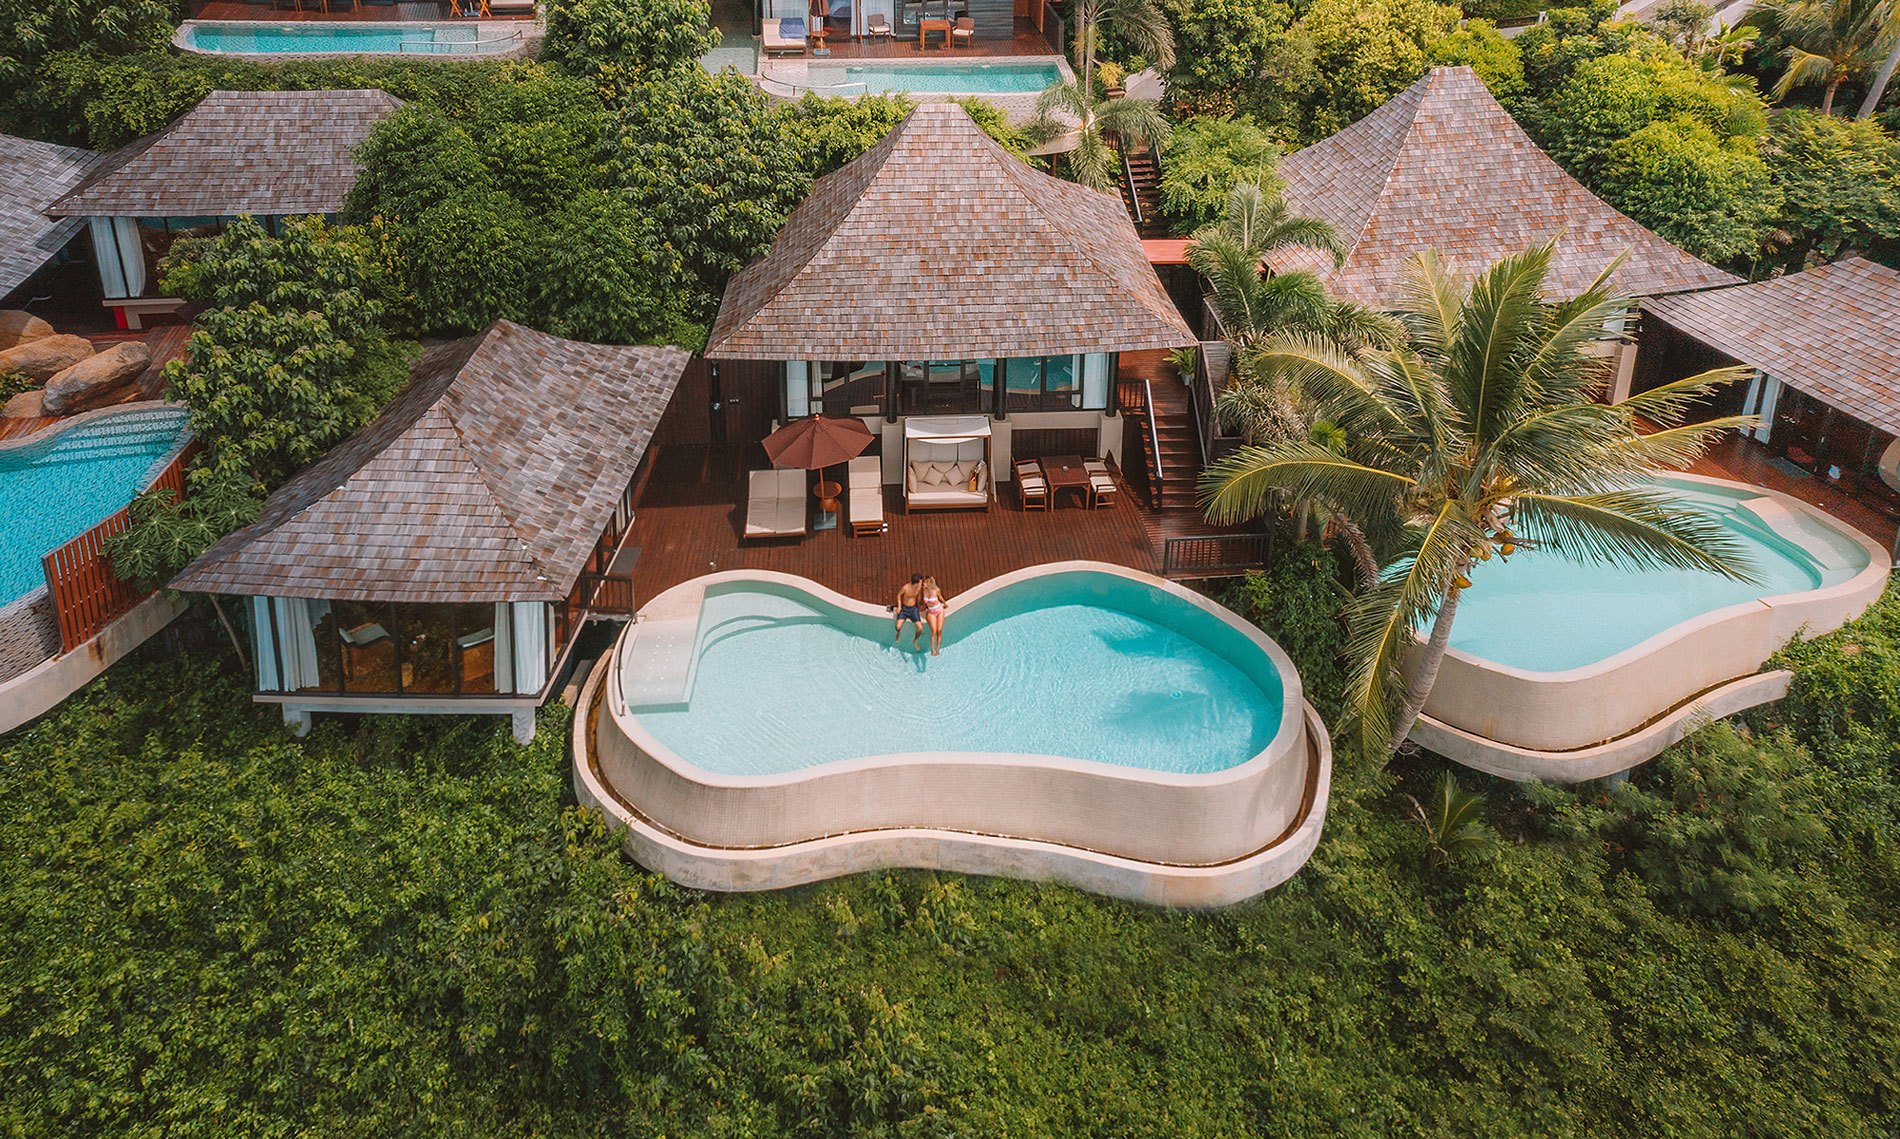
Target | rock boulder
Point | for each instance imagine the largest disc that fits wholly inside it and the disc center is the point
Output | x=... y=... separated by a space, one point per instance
x=46 y=357
x=26 y=405
x=98 y=381
x=18 y=327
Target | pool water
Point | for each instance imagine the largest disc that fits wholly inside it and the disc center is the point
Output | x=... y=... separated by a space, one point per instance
x=271 y=39
x=54 y=490
x=959 y=79
x=1084 y=665
x=1545 y=613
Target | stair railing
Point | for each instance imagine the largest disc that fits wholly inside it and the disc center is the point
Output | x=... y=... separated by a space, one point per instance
x=1138 y=397
x=1134 y=192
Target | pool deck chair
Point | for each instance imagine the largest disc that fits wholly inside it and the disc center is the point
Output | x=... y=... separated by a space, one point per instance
x=784 y=37
x=1031 y=486
x=866 y=493
x=775 y=504
x=964 y=34
x=878 y=24
x=1102 y=487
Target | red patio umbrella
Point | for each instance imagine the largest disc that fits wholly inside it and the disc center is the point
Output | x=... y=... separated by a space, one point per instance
x=817 y=442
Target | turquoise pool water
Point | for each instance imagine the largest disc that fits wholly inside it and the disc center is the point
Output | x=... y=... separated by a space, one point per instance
x=272 y=39
x=54 y=490
x=958 y=79
x=1545 y=613
x=1080 y=665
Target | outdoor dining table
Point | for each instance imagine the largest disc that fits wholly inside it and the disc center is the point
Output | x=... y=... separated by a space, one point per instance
x=1066 y=472
x=929 y=25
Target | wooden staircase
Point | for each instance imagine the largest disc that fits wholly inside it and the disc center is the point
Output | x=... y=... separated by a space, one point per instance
x=1141 y=192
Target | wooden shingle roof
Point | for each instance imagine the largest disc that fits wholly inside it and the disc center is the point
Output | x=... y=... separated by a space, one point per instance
x=32 y=175
x=938 y=244
x=1444 y=166
x=238 y=152
x=1833 y=332
x=489 y=478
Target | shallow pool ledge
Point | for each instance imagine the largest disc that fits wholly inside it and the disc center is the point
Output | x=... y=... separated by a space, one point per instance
x=1621 y=711
x=1205 y=839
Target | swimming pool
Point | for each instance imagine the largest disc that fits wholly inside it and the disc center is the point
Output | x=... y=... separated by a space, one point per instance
x=63 y=482
x=1564 y=670
x=1546 y=613
x=1014 y=78
x=1083 y=666
x=238 y=37
x=1086 y=722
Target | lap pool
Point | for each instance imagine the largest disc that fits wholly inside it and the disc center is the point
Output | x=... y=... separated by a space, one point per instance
x=1017 y=78
x=245 y=37
x=1085 y=722
x=56 y=485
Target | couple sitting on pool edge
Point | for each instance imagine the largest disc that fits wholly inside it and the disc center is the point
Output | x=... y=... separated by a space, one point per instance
x=922 y=603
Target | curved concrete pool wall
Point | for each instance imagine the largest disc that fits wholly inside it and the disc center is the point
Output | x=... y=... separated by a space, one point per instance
x=1606 y=717
x=1192 y=840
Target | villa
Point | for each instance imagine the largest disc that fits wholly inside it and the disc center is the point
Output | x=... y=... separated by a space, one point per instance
x=268 y=154
x=446 y=557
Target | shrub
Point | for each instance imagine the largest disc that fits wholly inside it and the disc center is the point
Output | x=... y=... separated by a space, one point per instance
x=1203 y=161
x=1711 y=197
x=616 y=43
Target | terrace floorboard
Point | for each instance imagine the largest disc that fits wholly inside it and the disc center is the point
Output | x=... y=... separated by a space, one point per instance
x=690 y=506
x=1744 y=460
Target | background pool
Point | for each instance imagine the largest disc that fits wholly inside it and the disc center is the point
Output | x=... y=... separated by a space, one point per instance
x=1062 y=669
x=272 y=39
x=1545 y=613
x=54 y=490
x=958 y=79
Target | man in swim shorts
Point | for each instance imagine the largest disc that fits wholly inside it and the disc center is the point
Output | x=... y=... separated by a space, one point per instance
x=909 y=599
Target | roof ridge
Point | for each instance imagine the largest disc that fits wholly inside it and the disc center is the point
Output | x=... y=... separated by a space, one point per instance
x=469 y=452
x=1402 y=146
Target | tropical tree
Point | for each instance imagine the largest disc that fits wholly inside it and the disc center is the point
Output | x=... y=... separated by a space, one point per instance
x=1831 y=42
x=1484 y=435
x=1877 y=89
x=1141 y=25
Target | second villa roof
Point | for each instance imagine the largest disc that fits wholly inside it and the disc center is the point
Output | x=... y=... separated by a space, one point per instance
x=938 y=244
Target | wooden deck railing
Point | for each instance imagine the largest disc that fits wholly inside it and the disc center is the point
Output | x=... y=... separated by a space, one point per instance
x=87 y=595
x=1215 y=555
x=609 y=594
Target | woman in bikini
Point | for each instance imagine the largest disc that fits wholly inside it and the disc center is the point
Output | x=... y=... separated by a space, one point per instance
x=934 y=609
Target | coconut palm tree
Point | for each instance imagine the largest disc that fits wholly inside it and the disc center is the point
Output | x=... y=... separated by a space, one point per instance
x=1831 y=41
x=1484 y=435
x=1138 y=122
x=1878 y=88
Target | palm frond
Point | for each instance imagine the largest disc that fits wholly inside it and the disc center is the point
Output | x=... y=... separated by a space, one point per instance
x=1501 y=317
x=1240 y=486
x=1645 y=528
x=1347 y=390
x=1429 y=300
x=1679 y=447
x=1666 y=404
x=1136 y=121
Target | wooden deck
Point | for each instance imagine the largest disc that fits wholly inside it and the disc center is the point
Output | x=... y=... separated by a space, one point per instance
x=1024 y=40
x=166 y=342
x=689 y=509
x=1745 y=460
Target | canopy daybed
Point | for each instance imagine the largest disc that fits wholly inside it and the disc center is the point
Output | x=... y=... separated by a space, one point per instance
x=947 y=463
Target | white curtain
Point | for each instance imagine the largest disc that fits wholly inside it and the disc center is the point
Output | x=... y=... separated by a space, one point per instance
x=504 y=648
x=263 y=644
x=297 y=618
x=1095 y=380
x=797 y=389
x=531 y=645
x=115 y=245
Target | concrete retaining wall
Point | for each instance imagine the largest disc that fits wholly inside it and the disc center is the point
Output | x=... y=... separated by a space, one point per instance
x=40 y=689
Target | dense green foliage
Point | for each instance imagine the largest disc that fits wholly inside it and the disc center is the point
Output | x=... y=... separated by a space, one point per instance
x=400 y=927
x=1839 y=185
x=616 y=43
x=1204 y=160
x=33 y=30
x=1297 y=600
x=1711 y=196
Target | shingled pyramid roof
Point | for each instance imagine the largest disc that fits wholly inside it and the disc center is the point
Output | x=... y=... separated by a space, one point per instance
x=1444 y=166
x=1832 y=331
x=938 y=244
x=488 y=478
x=238 y=152
x=32 y=174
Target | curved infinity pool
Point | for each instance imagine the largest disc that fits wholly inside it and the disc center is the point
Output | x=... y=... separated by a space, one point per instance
x=1080 y=665
x=62 y=483
x=1546 y=613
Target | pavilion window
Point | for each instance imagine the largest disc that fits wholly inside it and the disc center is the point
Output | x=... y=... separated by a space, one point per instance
x=370 y=654
x=837 y=388
x=287 y=634
x=946 y=387
x=1071 y=382
x=523 y=646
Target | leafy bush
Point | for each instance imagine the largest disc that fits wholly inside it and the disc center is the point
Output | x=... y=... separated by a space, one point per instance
x=1221 y=47
x=617 y=43
x=1477 y=44
x=1710 y=196
x=1297 y=600
x=13 y=383
x=1839 y=183
x=33 y=30
x=1204 y=160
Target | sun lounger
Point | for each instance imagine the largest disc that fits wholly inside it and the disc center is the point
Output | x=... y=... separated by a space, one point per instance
x=784 y=37
x=775 y=504
x=867 y=495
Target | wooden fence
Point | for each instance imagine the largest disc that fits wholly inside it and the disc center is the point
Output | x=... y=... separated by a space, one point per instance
x=86 y=594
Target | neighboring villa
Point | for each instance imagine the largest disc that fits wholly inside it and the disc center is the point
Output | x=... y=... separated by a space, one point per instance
x=1443 y=166
x=446 y=557
x=32 y=176
x=269 y=154
x=937 y=275
x=1825 y=346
